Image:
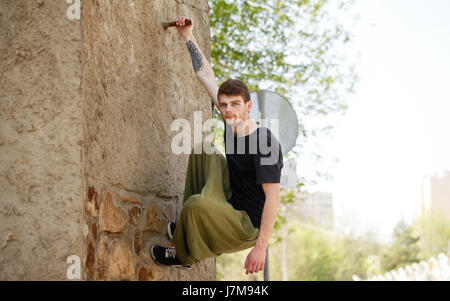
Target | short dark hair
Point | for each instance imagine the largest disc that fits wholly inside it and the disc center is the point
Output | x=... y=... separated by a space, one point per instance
x=233 y=87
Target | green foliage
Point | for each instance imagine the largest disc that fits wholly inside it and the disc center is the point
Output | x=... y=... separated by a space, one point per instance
x=218 y=132
x=290 y=47
x=313 y=255
x=403 y=250
x=328 y=255
x=433 y=228
x=426 y=237
x=319 y=259
x=287 y=45
x=318 y=254
x=230 y=267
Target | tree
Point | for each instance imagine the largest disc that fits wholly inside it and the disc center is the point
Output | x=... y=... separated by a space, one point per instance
x=286 y=42
x=290 y=47
x=403 y=250
x=433 y=227
x=316 y=254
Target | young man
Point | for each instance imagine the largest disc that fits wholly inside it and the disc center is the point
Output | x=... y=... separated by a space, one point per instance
x=235 y=205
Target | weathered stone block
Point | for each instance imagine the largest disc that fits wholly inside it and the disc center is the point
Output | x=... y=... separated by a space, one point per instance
x=82 y=128
x=138 y=242
x=204 y=270
x=112 y=218
x=90 y=259
x=94 y=231
x=146 y=273
x=121 y=266
x=171 y=211
x=130 y=200
x=103 y=252
x=91 y=204
x=156 y=218
x=134 y=213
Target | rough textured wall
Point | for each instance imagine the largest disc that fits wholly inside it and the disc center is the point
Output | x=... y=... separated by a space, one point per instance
x=41 y=187
x=85 y=113
x=137 y=79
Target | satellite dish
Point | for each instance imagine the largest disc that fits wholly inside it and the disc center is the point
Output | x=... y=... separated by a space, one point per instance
x=273 y=111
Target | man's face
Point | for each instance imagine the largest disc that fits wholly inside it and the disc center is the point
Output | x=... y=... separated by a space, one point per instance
x=234 y=109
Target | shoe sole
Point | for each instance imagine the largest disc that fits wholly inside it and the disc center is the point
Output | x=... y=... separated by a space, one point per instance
x=153 y=256
x=169 y=231
x=163 y=265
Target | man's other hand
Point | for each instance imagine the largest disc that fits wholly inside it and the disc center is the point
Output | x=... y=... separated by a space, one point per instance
x=255 y=260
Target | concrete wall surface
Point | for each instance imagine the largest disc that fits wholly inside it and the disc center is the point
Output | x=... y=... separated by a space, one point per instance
x=86 y=106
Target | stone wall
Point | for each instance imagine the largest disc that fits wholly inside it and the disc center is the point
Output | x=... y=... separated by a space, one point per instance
x=41 y=185
x=86 y=165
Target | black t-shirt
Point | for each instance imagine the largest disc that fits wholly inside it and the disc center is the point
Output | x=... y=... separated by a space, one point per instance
x=259 y=162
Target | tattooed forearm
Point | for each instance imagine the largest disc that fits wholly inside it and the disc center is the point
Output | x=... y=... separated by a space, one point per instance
x=195 y=55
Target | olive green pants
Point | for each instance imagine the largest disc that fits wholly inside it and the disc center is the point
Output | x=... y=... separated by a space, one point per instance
x=209 y=225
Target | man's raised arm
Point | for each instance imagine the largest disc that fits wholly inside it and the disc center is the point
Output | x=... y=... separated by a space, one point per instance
x=202 y=68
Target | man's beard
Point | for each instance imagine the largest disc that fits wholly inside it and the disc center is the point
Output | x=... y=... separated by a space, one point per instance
x=234 y=121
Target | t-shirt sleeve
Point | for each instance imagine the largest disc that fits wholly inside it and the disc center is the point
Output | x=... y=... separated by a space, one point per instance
x=268 y=161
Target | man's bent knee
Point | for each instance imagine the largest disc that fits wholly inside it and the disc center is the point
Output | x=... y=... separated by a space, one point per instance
x=195 y=203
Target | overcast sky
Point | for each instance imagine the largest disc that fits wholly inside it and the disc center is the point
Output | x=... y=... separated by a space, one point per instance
x=396 y=130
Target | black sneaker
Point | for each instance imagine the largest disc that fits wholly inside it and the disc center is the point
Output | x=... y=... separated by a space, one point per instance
x=171 y=229
x=165 y=256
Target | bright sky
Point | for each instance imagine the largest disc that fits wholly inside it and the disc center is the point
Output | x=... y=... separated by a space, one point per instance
x=396 y=130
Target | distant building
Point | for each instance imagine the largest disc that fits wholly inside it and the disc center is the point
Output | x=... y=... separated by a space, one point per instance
x=435 y=192
x=316 y=206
